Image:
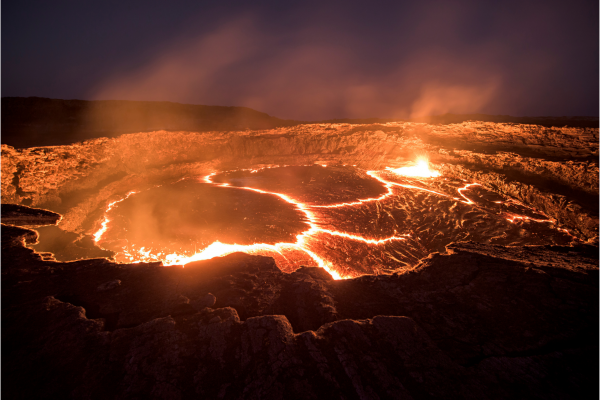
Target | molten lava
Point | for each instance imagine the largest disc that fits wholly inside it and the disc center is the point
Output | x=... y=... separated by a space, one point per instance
x=102 y=230
x=420 y=170
x=409 y=216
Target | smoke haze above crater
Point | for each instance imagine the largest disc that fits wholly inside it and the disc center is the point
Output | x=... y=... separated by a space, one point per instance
x=312 y=61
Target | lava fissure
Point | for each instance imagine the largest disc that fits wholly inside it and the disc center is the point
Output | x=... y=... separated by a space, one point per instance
x=104 y=225
x=314 y=249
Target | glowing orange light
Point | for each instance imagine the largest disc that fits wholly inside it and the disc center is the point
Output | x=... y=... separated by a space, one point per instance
x=421 y=170
x=216 y=249
x=468 y=185
x=104 y=226
x=513 y=217
x=388 y=186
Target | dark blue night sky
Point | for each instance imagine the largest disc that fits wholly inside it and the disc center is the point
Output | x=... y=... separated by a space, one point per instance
x=311 y=60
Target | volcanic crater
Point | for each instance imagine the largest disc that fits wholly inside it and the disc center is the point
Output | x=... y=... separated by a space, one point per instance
x=482 y=265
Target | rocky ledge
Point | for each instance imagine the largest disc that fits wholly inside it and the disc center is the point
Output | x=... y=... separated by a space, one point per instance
x=15 y=214
x=476 y=322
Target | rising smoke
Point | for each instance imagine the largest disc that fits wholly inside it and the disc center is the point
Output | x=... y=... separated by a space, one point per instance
x=307 y=75
x=313 y=60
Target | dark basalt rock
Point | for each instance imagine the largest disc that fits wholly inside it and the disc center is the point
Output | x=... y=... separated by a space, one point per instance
x=15 y=214
x=479 y=321
x=563 y=209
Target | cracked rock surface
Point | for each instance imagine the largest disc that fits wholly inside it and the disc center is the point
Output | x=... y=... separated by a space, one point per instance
x=559 y=166
x=479 y=321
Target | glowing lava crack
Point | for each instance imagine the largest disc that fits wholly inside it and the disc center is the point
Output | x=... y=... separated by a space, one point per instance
x=217 y=248
x=337 y=250
x=102 y=230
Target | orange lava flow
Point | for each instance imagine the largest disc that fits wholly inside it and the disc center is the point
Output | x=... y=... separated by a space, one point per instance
x=468 y=185
x=104 y=226
x=389 y=185
x=301 y=244
x=420 y=170
x=220 y=249
x=512 y=217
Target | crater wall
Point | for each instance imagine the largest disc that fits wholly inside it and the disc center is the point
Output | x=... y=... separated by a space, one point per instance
x=556 y=168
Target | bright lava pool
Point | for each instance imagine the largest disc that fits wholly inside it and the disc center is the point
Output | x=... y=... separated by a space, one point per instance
x=346 y=220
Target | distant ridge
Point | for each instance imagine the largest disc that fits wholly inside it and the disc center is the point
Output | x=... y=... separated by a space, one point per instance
x=37 y=121
x=576 y=122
